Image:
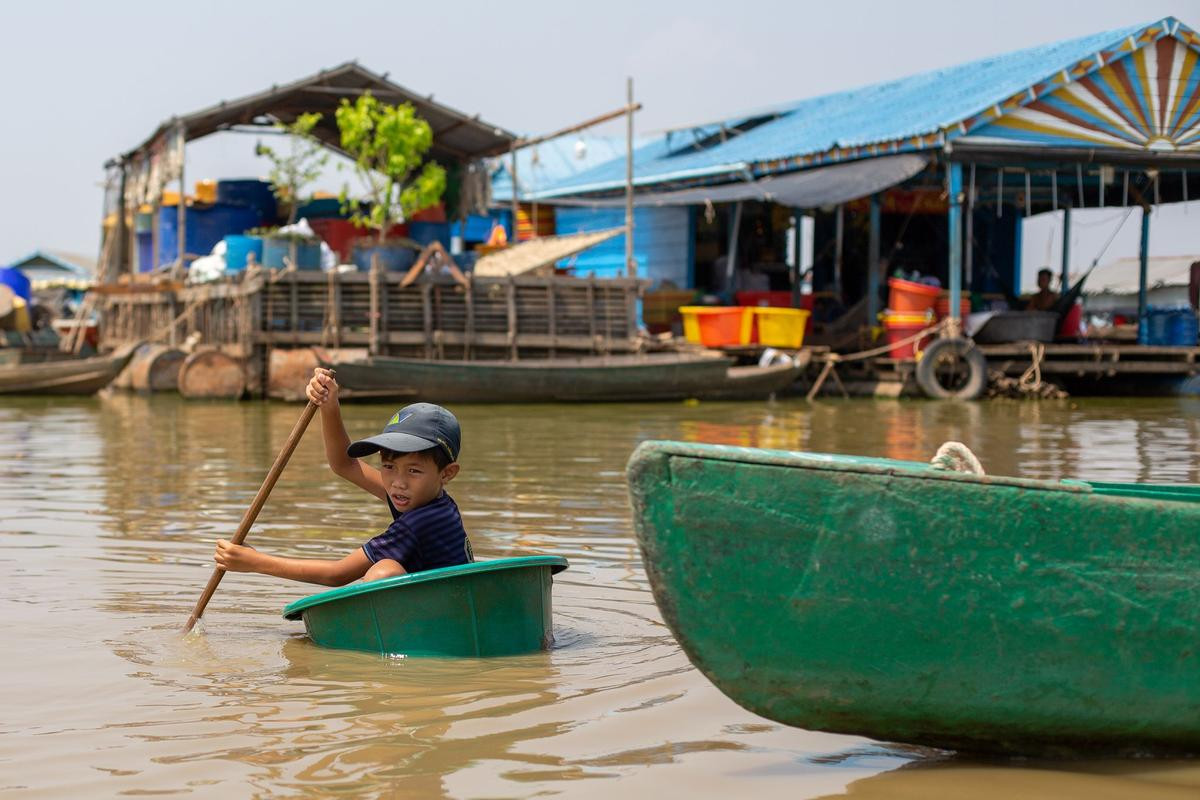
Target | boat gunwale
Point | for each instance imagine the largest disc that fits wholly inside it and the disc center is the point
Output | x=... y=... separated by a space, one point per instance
x=867 y=465
x=573 y=362
x=296 y=608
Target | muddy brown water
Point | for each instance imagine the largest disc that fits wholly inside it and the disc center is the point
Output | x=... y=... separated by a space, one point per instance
x=110 y=507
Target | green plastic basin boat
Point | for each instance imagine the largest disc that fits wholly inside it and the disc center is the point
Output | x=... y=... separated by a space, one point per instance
x=488 y=608
x=893 y=600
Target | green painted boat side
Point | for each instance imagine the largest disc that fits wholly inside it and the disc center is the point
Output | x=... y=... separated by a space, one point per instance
x=651 y=376
x=903 y=603
x=487 y=608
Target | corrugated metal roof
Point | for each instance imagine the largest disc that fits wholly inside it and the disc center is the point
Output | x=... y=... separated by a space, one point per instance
x=907 y=114
x=551 y=162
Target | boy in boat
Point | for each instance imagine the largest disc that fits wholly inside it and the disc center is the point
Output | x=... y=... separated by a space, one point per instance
x=419 y=450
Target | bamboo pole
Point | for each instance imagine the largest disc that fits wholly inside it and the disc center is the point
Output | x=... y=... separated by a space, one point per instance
x=251 y=514
x=630 y=264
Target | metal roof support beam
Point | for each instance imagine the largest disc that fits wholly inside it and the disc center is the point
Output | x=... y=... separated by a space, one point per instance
x=839 y=247
x=1065 y=274
x=1143 y=267
x=797 y=254
x=969 y=257
x=873 y=260
x=954 y=239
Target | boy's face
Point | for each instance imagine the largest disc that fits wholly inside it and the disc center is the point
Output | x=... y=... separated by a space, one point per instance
x=412 y=479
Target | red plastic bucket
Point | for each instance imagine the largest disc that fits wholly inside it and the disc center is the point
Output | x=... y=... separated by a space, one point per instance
x=898 y=327
x=942 y=307
x=909 y=297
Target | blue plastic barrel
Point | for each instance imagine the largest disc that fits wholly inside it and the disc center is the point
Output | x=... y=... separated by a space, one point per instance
x=393 y=257
x=249 y=192
x=145 y=251
x=205 y=227
x=428 y=232
x=275 y=249
x=1169 y=326
x=238 y=247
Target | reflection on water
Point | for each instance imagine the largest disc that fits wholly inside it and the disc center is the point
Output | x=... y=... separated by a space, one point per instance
x=111 y=506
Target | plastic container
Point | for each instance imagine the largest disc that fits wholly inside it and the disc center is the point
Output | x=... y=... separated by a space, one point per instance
x=276 y=248
x=716 y=326
x=780 y=327
x=206 y=191
x=249 y=192
x=942 y=306
x=205 y=227
x=393 y=256
x=478 y=610
x=1168 y=327
x=238 y=248
x=907 y=297
x=145 y=251
x=899 y=326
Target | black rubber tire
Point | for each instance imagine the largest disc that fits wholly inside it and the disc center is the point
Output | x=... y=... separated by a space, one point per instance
x=962 y=350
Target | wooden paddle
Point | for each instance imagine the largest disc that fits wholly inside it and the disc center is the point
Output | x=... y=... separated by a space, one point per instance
x=251 y=514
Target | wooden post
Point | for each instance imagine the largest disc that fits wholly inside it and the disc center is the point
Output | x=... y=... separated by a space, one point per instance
x=954 y=240
x=373 y=311
x=182 y=208
x=969 y=254
x=591 y=307
x=427 y=314
x=1065 y=274
x=294 y=309
x=630 y=264
x=1143 y=264
x=469 y=333
x=839 y=241
x=873 y=261
x=552 y=323
x=731 y=261
x=516 y=203
x=512 y=318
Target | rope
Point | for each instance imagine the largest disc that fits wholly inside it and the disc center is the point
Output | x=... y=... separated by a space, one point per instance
x=1030 y=384
x=957 y=457
x=832 y=359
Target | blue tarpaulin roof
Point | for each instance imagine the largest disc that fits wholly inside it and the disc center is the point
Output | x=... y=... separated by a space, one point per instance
x=911 y=113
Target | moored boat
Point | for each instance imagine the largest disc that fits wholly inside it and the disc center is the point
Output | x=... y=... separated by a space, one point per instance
x=499 y=607
x=652 y=376
x=894 y=600
x=64 y=376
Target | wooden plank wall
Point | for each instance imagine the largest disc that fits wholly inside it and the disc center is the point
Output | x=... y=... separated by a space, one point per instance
x=488 y=318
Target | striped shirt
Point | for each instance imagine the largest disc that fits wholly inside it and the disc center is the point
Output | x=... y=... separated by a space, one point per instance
x=428 y=537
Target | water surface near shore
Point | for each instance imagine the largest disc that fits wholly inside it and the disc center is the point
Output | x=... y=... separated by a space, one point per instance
x=110 y=506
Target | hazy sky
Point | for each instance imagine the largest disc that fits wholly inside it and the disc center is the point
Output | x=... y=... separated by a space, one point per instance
x=84 y=81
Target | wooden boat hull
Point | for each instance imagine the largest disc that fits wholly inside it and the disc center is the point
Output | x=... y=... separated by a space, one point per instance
x=599 y=379
x=66 y=376
x=890 y=600
x=489 y=608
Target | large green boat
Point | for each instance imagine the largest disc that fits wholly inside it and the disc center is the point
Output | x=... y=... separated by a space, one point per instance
x=906 y=603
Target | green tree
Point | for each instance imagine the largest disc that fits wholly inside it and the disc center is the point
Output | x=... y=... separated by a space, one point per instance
x=300 y=165
x=388 y=144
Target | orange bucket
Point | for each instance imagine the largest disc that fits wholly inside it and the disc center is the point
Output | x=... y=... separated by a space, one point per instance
x=716 y=326
x=898 y=327
x=942 y=306
x=909 y=297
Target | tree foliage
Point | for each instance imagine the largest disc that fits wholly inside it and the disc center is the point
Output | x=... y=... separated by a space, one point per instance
x=300 y=165
x=388 y=144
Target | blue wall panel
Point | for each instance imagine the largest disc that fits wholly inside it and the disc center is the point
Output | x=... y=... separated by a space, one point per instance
x=662 y=242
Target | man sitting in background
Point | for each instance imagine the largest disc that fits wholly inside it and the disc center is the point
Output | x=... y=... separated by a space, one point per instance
x=1045 y=299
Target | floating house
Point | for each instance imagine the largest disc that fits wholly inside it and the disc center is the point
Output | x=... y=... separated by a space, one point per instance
x=260 y=323
x=930 y=173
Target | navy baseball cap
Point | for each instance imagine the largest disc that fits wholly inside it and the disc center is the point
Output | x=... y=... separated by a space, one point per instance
x=419 y=426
